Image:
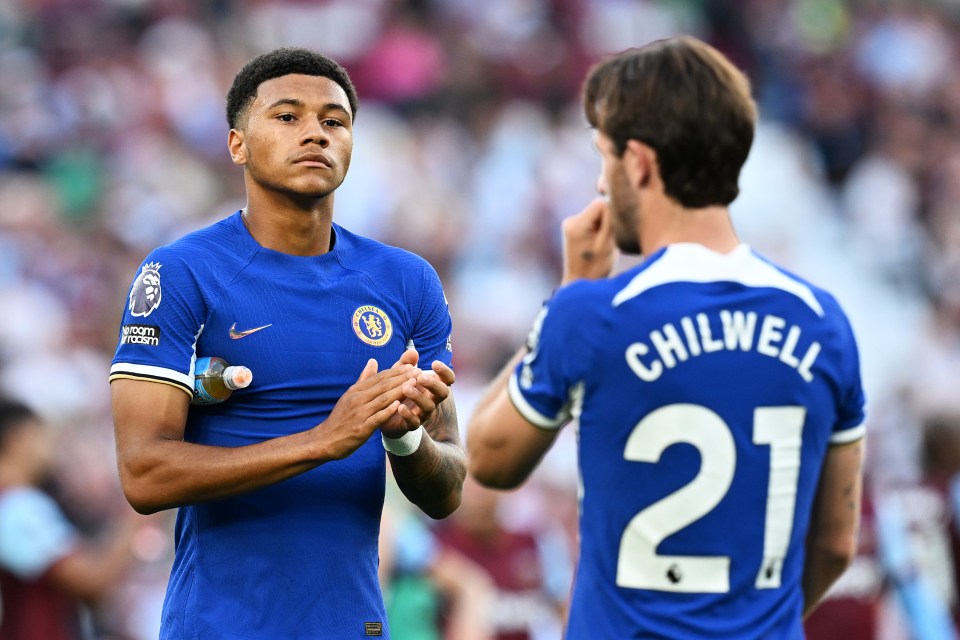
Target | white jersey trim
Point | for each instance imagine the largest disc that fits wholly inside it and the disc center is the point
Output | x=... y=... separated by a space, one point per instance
x=849 y=435
x=528 y=412
x=150 y=371
x=688 y=262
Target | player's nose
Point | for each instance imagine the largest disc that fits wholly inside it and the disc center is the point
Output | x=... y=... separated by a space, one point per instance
x=601 y=185
x=314 y=133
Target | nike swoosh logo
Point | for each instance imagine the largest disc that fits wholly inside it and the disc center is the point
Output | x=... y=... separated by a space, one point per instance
x=236 y=335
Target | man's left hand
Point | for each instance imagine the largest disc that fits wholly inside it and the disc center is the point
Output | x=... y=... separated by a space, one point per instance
x=423 y=394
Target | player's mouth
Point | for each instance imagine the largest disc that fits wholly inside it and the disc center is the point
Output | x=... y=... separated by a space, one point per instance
x=313 y=159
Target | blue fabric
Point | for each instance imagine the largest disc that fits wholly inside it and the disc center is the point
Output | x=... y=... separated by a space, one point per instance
x=297 y=559
x=697 y=378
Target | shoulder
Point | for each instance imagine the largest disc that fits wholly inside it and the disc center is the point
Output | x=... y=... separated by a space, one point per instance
x=214 y=249
x=591 y=296
x=378 y=259
x=574 y=306
x=219 y=238
x=816 y=297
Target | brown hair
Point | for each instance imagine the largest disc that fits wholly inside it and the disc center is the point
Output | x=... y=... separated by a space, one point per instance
x=689 y=103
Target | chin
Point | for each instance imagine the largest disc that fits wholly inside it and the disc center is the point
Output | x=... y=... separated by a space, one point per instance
x=315 y=193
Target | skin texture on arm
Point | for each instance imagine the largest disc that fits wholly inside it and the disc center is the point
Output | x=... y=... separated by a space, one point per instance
x=432 y=476
x=503 y=447
x=835 y=519
x=158 y=470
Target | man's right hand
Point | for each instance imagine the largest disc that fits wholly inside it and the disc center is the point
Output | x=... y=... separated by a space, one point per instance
x=588 y=247
x=159 y=469
x=372 y=400
x=423 y=396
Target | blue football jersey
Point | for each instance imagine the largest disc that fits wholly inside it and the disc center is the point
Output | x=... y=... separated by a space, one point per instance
x=297 y=559
x=707 y=388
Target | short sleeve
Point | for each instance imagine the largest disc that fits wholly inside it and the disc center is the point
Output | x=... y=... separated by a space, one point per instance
x=34 y=534
x=433 y=328
x=162 y=320
x=850 y=425
x=545 y=387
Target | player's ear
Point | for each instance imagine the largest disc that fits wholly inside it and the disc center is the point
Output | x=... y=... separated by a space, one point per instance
x=640 y=161
x=238 y=152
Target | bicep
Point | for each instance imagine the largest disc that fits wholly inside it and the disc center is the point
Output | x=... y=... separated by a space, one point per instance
x=144 y=412
x=504 y=447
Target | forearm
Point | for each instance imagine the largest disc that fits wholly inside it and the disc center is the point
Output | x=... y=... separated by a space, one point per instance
x=822 y=569
x=834 y=522
x=159 y=470
x=432 y=476
x=166 y=473
x=505 y=447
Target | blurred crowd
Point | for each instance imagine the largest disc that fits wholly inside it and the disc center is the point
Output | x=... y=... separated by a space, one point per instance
x=470 y=147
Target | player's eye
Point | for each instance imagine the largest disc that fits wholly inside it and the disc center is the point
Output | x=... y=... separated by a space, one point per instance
x=330 y=122
x=286 y=117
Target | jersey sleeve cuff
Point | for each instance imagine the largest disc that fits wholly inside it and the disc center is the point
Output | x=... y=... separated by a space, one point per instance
x=849 y=435
x=153 y=374
x=526 y=410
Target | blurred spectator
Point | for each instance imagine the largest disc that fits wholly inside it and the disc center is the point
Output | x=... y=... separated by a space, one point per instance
x=941 y=465
x=47 y=568
x=472 y=149
x=420 y=578
x=530 y=567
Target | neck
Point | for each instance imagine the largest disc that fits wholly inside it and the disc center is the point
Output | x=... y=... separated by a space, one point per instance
x=707 y=226
x=300 y=228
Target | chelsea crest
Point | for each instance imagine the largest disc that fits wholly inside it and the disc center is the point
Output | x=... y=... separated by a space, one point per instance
x=372 y=325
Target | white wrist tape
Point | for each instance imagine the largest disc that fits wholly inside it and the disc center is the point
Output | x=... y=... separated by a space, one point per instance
x=405 y=445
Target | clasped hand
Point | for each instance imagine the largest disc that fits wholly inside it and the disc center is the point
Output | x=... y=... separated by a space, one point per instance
x=422 y=395
x=395 y=400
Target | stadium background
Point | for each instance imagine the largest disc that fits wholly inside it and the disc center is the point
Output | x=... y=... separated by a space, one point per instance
x=470 y=147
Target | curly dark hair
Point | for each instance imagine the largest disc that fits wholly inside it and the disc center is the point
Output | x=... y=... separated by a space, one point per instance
x=689 y=103
x=282 y=62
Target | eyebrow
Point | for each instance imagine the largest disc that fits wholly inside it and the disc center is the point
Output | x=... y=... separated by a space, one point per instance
x=295 y=102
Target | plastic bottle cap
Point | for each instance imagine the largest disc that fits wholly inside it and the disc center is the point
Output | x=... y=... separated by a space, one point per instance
x=239 y=376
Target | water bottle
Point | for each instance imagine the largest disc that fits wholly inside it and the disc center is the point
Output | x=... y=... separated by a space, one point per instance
x=215 y=380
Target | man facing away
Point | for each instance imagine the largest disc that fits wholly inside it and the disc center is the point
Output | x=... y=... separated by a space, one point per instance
x=718 y=396
x=280 y=488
